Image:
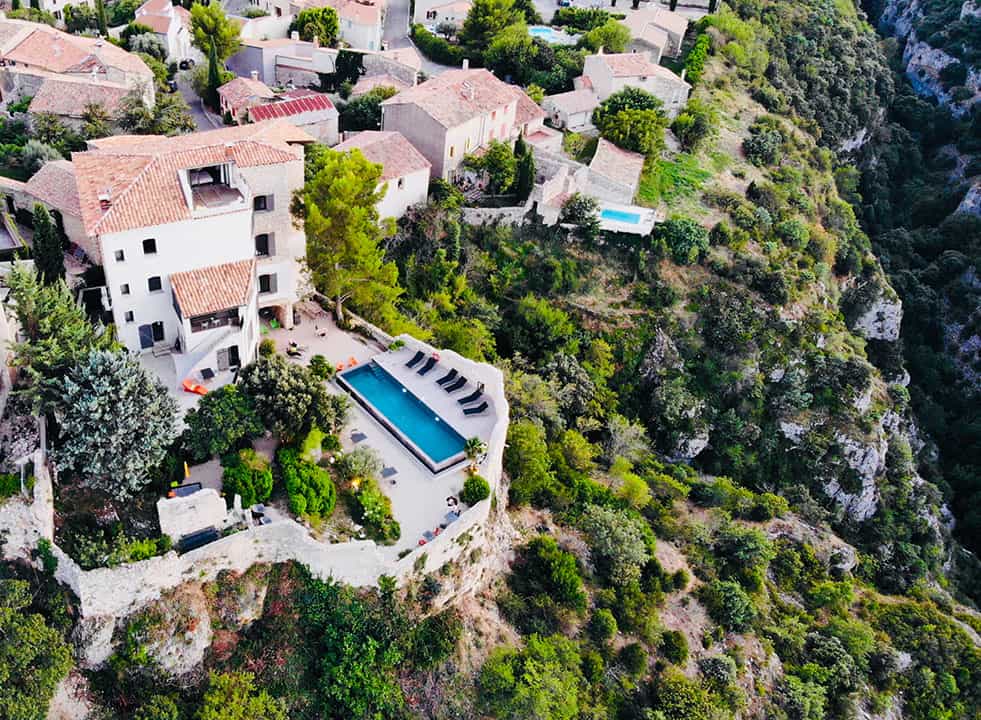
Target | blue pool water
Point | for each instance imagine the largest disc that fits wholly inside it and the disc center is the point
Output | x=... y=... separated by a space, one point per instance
x=551 y=36
x=413 y=418
x=620 y=216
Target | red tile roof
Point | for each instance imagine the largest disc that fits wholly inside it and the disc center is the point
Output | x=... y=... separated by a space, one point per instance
x=621 y=166
x=140 y=173
x=239 y=91
x=210 y=289
x=370 y=82
x=68 y=96
x=55 y=51
x=317 y=102
x=391 y=150
x=55 y=185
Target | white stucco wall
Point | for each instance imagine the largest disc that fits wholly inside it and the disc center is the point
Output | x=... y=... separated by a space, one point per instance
x=414 y=190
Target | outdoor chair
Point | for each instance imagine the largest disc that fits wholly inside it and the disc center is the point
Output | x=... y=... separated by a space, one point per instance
x=448 y=377
x=207 y=374
x=415 y=359
x=475 y=410
x=454 y=386
x=428 y=366
x=475 y=395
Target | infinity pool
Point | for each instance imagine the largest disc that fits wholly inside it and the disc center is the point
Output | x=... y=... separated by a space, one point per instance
x=620 y=216
x=416 y=426
x=551 y=35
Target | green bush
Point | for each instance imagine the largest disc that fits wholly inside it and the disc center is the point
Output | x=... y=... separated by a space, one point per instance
x=321 y=368
x=695 y=61
x=729 y=605
x=674 y=646
x=602 y=626
x=9 y=485
x=375 y=512
x=684 y=238
x=633 y=657
x=436 y=48
x=267 y=347
x=543 y=568
x=248 y=475
x=310 y=488
x=475 y=489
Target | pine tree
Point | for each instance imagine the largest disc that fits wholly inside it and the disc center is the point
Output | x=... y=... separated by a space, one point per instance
x=100 y=16
x=520 y=146
x=526 y=176
x=49 y=256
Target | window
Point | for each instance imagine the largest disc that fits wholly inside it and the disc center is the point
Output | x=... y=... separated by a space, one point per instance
x=262 y=245
x=120 y=256
x=401 y=183
x=128 y=316
x=158 y=331
x=493 y=114
x=260 y=203
x=451 y=151
x=153 y=284
x=267 y=283
x=149 y=246
x=124 y=289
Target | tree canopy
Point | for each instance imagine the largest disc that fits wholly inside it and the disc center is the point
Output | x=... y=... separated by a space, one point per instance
x=317 y=22
x=338 y=209
x=486 y=19
x=210 y=27
x=116 y=422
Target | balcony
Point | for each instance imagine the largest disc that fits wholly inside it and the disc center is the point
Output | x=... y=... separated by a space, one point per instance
x=215 y=189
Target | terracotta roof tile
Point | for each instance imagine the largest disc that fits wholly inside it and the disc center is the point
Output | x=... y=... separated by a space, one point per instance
x=455 y=96
x=55 y=185
x=622 y=166
x=69 y=97
x=368 y=83
x=397 y=156
x=210 y=289
x=318 y=102
x=527 y=109
x=239 y=91
x=140 y=172
x=55 y=51
x=575 y=101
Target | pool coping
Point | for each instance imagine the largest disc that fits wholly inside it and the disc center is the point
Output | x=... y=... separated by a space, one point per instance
x=434 y=467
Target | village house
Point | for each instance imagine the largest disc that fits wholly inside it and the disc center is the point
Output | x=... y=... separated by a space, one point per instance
x=194 y=234
x=658 y=30
x=236 y=96
x=405 y=172
x=459 y=112
x=571 y=110
x=171 y=24
x=360 y=22
x=433 y=13
x=32 y=53
x=618 y=172
x=312 y=112
x=369 y=82
x=606 y=74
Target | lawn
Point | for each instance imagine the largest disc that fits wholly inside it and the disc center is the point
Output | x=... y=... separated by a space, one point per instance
x=666 y=181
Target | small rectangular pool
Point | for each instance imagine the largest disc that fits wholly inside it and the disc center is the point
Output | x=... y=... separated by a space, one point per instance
x=620 y=216
x=414 y=424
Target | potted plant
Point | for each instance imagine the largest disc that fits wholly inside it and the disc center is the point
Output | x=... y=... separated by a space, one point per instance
x=474 y=449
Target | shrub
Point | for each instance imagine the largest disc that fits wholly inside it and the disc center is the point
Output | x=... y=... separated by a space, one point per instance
x=436 y=48
x=9 y=485
x=674 y=646
x=684 y=237
x=633 y=657
x=267 y=348
x=602 y=626
x=376 y=512
x=362 y=463
x=247 y=474
x=545 y=569
x=321 y=368
x=222 y=421
x=729 y=605
x=475 y=489
x=720 y=670
x=695 y=61
x=310 y=488
x=763 y=147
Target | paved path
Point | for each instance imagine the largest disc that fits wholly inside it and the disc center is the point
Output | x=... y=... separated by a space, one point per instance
x=193 y=101
x=395 y=33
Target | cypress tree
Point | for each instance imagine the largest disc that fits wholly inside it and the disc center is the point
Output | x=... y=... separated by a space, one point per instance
x=49 y=256
x=526 y=175
x=214 y=77
x=100 y=16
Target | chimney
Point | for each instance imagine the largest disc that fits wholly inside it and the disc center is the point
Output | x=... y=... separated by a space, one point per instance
x=295 y=36
x=683 y=71
x=254 y=74
x=466 y=63
x=600 y=51
x=105 y=200
x=316 y=41
x=229 y=149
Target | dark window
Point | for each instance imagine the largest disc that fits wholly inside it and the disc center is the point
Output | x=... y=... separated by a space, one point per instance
x=262 y=245
x=149 y=246
x=129 y=316
x=120 y=256
x=267 y=283
x=221 y=318
x=158 y=331
x=154 y=284
x=260 y=202
x=401 y=183
x=124 y=289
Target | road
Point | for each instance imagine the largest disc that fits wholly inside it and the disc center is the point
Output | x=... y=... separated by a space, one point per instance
x=193 y=101
x=395 y=33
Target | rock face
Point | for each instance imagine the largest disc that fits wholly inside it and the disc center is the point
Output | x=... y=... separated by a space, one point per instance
x=92 y=638
x=176 y=630
x=867 y=461
x=971 y=203
x=662 y=355
x=689 y=446
x=881 y=320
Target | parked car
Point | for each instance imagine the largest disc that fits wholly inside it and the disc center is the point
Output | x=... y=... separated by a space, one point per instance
x=172 y=86
x=563 y=3
x=185 y=64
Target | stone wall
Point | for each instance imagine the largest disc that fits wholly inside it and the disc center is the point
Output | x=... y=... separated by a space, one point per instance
x=122 y=590
x=505 y=215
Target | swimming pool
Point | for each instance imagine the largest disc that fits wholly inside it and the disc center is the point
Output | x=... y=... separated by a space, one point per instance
x=407 y=417
x=620 y=216
x=551 y=35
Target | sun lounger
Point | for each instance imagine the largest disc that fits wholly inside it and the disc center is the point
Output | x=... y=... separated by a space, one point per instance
x=428 y=366
x=475 y=410
x=448 y=377
x=456 y=385
x=415 y=359
x=475 y=395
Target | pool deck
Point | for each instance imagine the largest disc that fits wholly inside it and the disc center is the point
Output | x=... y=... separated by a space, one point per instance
x=648 y=218
x=418 y=496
